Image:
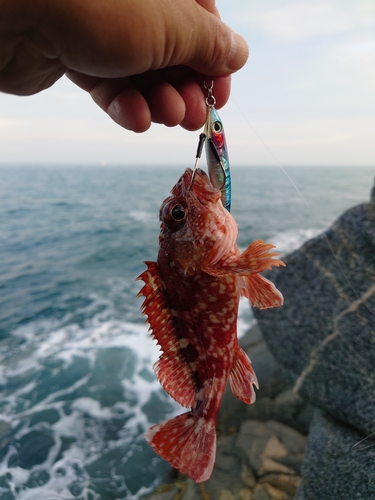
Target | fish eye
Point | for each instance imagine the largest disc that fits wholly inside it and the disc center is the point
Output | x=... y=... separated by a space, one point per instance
x=178 y=212
x=217 y=127
x=173 y=214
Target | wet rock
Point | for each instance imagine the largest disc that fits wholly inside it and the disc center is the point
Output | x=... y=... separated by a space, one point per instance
x=32 y=449
x=275 y=398
x=324 y=338
x=272 y=383
x=157 y=407
x=37 y=478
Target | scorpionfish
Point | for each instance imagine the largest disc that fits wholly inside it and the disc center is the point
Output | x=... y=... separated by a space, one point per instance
x=191 y=299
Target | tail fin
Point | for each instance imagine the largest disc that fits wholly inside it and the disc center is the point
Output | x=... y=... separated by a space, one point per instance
x=188 y=443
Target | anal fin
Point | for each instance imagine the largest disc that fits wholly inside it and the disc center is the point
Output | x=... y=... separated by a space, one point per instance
x=242 y=377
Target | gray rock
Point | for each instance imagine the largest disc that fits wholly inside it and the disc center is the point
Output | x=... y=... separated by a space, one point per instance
x=32 y=449
x=339 y=462
x=287 y=407
x=275 y=399
x=252 y=337
x=324 y=335
x=271 y=382
x=324 y=338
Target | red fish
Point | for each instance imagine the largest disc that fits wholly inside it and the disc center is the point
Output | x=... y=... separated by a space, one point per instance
x=191 y=300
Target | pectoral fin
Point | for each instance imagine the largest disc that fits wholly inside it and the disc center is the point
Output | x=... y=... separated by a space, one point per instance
x=261 y=292
x=173 y=373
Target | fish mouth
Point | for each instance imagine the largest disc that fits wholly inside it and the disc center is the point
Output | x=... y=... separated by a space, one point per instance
x=200 y=185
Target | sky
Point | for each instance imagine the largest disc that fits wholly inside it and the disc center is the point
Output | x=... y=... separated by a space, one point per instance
x=305 y=97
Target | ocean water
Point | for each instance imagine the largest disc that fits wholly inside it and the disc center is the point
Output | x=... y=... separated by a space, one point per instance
x=77 y=390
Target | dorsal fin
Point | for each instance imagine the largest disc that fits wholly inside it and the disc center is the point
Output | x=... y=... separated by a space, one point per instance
x=173 y=373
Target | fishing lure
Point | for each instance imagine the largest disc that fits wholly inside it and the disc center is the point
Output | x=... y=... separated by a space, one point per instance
x=213 y=137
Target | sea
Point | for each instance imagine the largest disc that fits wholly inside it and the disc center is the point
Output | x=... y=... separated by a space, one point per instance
x=77 y=388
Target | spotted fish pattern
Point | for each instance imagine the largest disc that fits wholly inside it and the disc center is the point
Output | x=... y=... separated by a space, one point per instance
x=191 y=300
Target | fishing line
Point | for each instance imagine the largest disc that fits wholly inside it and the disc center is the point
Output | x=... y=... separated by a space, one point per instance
x=361 y=441
x=356 y=293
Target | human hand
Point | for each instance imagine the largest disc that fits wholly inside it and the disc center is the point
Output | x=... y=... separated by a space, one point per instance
x=141 y=61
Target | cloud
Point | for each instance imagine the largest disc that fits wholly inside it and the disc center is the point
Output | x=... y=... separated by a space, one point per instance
x=302 y=19
x=10 y=123
x=354 y=62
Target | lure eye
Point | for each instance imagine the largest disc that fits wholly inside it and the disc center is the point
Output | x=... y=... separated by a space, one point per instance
x=217 y=127
x=173 y=214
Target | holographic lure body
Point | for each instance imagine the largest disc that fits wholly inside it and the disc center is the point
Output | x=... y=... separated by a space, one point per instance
x=216 y=150
x=217 y=156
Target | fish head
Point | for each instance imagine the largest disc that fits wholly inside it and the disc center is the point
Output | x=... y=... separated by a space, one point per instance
x=196 y=230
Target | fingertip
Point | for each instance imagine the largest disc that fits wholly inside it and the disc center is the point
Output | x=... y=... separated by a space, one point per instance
x=238 y=53
x=166 y=105
x=195 y=104
x=130 y=110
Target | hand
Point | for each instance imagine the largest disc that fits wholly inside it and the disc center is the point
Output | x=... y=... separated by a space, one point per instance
x=141 y=60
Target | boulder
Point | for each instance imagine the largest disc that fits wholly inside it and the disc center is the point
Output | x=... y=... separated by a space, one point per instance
x=324 y=338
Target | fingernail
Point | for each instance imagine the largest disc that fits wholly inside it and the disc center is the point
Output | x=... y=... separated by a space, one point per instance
x=239 y=52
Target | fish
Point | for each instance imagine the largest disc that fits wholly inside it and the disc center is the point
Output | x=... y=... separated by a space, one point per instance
x=191 y=297
x=217 y=155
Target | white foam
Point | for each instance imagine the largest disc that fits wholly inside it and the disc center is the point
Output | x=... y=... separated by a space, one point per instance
x=142 y=216
x=288 y=241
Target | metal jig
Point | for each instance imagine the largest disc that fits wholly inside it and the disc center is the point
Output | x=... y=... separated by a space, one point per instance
x=216 y=150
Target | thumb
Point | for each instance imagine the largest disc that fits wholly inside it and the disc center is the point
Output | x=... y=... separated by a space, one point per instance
x=212 y=47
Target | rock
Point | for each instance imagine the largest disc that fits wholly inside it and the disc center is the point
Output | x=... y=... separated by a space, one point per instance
x=260 y=493
x=287 y=407
x=284 y=482
x=324 y=338
x=275 y=398
x=227 y=473
x=339 y=462
x=32 y=449
x=324 y=334
x=271 y=447
x=252 y=337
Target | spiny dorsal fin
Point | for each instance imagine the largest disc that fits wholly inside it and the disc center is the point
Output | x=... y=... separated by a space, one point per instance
x=173 y=373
